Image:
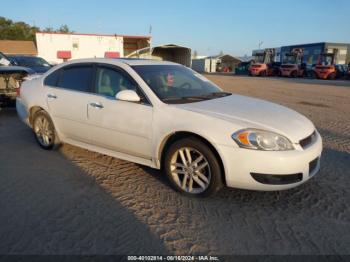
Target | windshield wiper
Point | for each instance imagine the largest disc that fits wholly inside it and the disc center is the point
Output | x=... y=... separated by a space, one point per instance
x=196 y=98
x=220 y=94
x=181 y=98
x=212 y=95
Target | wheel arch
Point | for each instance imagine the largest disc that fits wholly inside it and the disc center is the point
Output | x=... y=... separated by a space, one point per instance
x=175 y=136
x=32 y=111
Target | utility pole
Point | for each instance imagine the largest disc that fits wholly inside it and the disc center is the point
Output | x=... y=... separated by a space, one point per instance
x=150 y=40
x=260 y=44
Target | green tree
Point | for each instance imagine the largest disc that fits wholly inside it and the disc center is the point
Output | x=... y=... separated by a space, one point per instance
x=48 y=30
x=16 y=30
x=11 y=30
x=64 y=29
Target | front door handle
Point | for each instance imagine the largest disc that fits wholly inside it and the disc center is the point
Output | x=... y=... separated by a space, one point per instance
x=96 y=105
x=51 y=96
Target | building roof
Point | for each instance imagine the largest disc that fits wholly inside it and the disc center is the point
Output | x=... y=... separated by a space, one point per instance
x=225 y=56
x=16 y=47
x=84 y=34
x=316 y=44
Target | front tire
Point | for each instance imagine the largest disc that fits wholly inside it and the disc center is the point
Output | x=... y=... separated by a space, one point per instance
x=192 y=168
x=294 y=74
x=44 y=130
x=332 y=76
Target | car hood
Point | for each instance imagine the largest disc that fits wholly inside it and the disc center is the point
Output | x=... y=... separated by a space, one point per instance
x=41 y=69
x=255 y=113
x=15 y=69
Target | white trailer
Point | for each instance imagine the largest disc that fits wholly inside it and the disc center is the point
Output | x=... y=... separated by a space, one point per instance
x=170 y=52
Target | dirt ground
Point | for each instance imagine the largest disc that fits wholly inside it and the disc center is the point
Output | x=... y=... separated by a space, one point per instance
x=73 y=201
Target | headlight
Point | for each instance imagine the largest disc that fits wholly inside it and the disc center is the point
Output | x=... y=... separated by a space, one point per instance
x=262 y=140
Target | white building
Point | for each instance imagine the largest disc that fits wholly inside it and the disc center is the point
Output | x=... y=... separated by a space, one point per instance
x=219 y=63
x=59 y=47
x=207 y=65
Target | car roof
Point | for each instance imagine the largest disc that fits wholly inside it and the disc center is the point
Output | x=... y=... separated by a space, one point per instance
x=128 y=61
x=22 y=56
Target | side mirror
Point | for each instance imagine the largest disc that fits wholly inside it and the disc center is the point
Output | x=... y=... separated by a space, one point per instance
x=128 y=95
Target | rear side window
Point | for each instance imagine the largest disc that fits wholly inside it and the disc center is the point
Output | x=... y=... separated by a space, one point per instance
x=52 y=79
x=76 y=78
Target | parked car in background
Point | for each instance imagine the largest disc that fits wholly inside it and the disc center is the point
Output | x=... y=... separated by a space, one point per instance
x=167 y=116
x=11 y=77
x=37 y=64
x=243 y=68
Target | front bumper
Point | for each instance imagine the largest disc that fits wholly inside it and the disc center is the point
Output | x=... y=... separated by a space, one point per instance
x=242 y=164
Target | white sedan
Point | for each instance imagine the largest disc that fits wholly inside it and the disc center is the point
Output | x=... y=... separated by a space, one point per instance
x=166 y=116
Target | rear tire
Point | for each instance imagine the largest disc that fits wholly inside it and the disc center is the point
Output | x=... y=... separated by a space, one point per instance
x=263 y=73
x=313 y=75
x=192 y=168
x=44 y=131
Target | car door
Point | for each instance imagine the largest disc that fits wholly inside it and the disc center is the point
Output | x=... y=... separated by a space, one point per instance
x=68 y=93
x=121 y=126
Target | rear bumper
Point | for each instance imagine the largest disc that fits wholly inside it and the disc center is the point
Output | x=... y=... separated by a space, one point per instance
x=270 y=171
x=4 y=95
x=22 y=111
x=256 y=72
x=323 y=74
x=285 y=72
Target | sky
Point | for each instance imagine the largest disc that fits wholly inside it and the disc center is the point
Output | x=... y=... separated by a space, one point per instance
x=233 y=26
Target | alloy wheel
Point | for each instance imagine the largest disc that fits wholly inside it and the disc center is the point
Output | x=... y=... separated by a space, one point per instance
x=190 y=170
x=43 y=131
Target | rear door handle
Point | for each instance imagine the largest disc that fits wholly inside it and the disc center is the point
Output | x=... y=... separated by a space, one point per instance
x=96 y=105
x=51 y=96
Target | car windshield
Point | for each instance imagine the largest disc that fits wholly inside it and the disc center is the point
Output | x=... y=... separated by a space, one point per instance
x=30 y=61
x=178 y=84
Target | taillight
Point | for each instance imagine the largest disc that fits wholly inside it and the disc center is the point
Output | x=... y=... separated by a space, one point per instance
x=18 y=91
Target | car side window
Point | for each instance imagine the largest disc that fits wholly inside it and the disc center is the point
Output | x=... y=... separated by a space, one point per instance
x=77 y=78
x=52 y=79
x=109 y=82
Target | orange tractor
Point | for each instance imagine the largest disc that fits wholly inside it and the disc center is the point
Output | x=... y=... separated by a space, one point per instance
x=293 y=65
x=264 y=64
x=326 y=66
